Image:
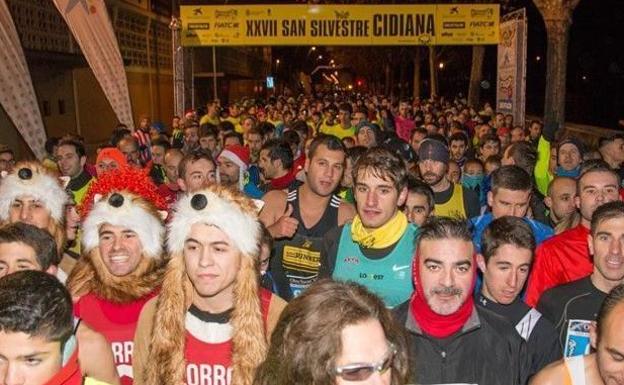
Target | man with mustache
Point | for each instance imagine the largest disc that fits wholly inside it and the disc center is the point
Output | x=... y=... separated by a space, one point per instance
x=452 y=340
x=451 y=200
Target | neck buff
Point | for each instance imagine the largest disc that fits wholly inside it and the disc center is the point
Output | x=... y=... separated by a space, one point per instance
x=382 y=237
x=471 y=181
x=574 y=173
x=432 y=323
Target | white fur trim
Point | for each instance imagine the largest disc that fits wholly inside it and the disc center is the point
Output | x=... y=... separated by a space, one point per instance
x=234 y=158
x=42 y=187
x=149 y=228
x=243 y=229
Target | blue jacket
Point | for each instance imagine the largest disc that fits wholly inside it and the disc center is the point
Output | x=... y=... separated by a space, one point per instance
x=541 y=232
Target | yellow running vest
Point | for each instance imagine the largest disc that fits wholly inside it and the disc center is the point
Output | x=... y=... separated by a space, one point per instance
x=454 y=207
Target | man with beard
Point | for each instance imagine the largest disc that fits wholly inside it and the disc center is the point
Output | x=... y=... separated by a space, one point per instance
x=574 y=306
x=233 y=164
x=560 y=199
x=565 y=257
x=300 y=218
x=376 y=248
x=604 y=366
x=211 y=321
x=452 y=340
x=121 y=266
x=451 y=199
x=71 y=158
x=275 y=164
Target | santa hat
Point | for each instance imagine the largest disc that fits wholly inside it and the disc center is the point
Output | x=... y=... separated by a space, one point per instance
x=129 y=199
x=240 y=156
x=34 y=180
x=236 y=215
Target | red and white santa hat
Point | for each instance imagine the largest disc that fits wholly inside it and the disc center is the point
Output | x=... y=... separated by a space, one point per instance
x=33 y=180
x=129 y=199
x=237 y=154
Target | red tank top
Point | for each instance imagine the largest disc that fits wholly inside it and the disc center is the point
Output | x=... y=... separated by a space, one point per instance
x=117 y=322
x=69 y=374
x=211 y=363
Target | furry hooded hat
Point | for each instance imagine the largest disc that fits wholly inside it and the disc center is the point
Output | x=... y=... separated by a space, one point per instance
x=32 y=179
x=236 y=216
x=127 y=199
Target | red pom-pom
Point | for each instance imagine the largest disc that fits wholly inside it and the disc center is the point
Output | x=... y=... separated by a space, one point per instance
x=132 y=180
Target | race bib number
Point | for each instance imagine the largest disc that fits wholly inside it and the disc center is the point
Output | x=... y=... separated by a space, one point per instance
x=577 y=341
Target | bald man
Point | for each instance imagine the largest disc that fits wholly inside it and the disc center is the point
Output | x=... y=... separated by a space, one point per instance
x=560 y=199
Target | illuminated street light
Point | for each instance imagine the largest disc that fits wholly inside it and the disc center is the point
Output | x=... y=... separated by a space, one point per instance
x=313 y=48
x=538 y=58
x=441 y=65
x=277 y=61
x=320 y=57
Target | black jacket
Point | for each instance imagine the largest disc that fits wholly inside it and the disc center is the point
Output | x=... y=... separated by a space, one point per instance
x=541 y=337
x=486 y=351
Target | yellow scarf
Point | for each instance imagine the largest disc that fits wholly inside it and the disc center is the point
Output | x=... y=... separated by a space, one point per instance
x=382 y=237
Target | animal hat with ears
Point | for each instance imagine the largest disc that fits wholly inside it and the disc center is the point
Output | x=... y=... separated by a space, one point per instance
x=128 y=199
x=236 y=215
x=32 y=179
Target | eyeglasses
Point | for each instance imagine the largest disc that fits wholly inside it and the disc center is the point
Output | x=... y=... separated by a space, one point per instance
x=362 y=371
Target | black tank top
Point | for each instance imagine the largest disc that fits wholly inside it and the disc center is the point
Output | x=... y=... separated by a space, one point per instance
x=296 y=261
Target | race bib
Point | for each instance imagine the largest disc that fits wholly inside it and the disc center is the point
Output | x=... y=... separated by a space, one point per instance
x=577 y=341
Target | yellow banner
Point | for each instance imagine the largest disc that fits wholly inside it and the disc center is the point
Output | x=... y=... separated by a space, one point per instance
x=254 y=25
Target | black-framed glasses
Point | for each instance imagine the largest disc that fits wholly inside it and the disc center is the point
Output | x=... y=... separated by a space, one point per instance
x=361 y=371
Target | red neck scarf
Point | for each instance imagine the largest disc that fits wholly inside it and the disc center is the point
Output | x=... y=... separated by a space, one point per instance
x=432 y=323
x=282 y=182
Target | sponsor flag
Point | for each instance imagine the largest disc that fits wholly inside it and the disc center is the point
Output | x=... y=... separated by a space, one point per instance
x=18 y=95
x=89 y=23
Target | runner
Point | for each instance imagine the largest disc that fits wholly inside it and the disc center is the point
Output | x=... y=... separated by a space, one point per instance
x=451 y=340
x=507 y=248
x=121 y=267
x=376 y=248
x=301 y=218
x=211 y=321
x=572 y=307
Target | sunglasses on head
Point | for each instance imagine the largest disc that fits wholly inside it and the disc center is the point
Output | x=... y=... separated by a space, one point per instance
x=362 y=371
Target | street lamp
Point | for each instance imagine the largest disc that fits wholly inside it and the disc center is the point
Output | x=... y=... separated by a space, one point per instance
x=441 y=65
x=277 y=61
x=313 y=48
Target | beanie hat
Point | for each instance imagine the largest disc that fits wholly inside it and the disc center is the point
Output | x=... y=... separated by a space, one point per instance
x=114 y=154
x=125 y=198
x=434 y=150
x=240 y=156
x=34 y=180
x=374 y=127
x=577 y=143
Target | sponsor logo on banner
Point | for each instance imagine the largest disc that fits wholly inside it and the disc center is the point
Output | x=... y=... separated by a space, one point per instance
x=338 y=24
